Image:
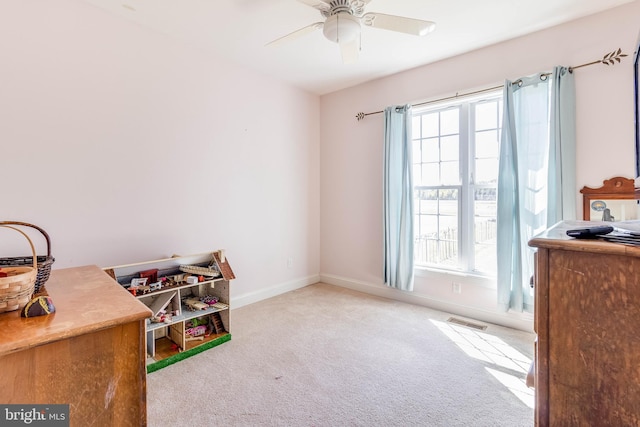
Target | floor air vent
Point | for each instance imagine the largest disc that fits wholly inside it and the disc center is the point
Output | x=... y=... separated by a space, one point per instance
x=467 y=324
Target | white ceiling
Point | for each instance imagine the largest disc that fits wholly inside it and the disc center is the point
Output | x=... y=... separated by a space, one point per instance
x=240 y=29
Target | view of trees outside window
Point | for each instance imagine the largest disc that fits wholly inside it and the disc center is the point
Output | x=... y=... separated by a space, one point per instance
x=455 y=165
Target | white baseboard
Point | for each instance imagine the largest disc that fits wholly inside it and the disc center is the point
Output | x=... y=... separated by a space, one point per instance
x=251 y=297
x=518 y=321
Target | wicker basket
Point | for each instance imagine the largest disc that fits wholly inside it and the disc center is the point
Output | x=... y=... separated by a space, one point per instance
x=44 y=261
x=17 y=288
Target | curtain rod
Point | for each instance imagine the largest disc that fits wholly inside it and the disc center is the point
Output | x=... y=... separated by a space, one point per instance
x=609 y=59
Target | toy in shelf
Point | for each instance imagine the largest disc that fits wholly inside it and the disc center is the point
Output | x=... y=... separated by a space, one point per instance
x=162 y=317
x=198 y=329
x=195 y=304
x=151 y=275
x=209 y=271
x=209 y=300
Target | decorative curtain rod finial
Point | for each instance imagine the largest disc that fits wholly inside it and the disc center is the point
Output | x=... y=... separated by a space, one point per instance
x=361 y=115
x=612 y=57
x=609 y=59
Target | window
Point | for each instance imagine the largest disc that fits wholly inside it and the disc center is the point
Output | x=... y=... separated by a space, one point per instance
x=455 y=166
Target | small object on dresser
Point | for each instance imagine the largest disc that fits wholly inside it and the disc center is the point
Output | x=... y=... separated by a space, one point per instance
x=39 y=306
x=589 y=232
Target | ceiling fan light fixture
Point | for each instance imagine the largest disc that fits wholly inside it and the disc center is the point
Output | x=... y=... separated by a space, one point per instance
x=341 y=28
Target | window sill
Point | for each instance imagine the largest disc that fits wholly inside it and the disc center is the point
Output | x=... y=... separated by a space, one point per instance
x=484 y=281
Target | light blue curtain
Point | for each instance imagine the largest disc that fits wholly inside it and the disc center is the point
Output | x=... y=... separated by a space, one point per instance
x=536 y=180
x=562 y=148
x=398 y=198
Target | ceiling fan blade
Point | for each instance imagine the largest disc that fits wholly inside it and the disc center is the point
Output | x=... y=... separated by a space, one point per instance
x=321 y=5
x=350 y=51
x=296 y=34
x=400 y=24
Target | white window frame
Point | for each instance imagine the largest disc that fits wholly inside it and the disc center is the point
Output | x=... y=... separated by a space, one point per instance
x=466 y=186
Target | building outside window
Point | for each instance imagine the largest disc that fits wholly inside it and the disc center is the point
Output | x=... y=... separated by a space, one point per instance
x=455 y=165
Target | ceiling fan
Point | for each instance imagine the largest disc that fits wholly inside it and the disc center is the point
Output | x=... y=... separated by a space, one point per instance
x=343 y=23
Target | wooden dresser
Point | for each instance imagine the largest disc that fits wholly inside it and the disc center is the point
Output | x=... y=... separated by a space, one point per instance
x=587 y=320
x=89 y=354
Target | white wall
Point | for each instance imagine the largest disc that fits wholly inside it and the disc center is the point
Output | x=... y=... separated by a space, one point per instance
x=351 y=151
x=128 y=146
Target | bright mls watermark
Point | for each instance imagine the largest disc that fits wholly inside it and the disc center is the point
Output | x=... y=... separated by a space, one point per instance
x=34 y=415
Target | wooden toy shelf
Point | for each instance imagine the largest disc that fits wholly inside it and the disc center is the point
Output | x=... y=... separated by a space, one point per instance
x=190 y=312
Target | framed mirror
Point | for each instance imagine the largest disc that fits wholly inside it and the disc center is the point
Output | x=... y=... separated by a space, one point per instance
x=616 y=200
x=636 y=78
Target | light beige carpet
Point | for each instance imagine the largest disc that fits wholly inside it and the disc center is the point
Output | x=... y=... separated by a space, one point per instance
x=327 y=356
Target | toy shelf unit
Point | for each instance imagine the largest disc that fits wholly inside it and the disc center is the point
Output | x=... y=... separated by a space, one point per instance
x=189 y=300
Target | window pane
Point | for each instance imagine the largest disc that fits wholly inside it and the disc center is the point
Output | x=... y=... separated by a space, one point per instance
x=450 y=121
x=430 y=174
x=485 y=202
x=417 y=175
x=449 y=201
x=416 y=151
x=485 y=226
x=415 y=126
x=486 y=171
x=430 y=150
x=436 y=241
x=486 y=115
x=450 y=173
x=449 y=148
x=428 y=225
x=429 y=207
x=448 y=227
x=430 y=125
x=487 y=144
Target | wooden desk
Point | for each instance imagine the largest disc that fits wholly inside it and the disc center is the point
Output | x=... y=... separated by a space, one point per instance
x=89 y=354
x=587 y=312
